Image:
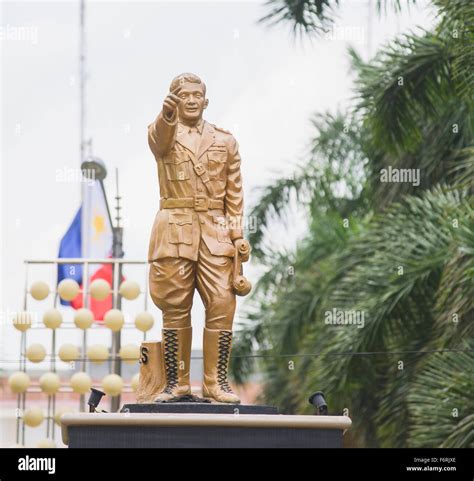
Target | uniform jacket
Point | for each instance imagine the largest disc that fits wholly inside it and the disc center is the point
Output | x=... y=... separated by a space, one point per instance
x=177 y=232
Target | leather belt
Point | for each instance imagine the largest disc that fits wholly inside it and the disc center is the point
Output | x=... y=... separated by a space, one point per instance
x=200 y=203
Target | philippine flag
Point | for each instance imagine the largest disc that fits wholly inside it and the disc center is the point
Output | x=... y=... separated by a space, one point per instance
x=89 y=236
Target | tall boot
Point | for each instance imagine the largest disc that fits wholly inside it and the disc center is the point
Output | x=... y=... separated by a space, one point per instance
x=217 y=347
x=176 y=349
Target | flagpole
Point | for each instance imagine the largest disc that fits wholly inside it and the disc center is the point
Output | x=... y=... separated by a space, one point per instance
x=82 y=128
x=82 y=82
x=117 y=230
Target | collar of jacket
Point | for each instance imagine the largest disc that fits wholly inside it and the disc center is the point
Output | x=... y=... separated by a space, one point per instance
x=186 y=128
x=207 y=138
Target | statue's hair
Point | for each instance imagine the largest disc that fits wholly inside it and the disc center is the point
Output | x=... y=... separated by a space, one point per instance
x=187 y=77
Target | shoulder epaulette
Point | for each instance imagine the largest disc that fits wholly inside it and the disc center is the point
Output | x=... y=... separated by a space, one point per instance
x=220 y=129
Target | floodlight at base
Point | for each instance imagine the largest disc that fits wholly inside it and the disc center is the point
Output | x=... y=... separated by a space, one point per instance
x=94 y=399
x=319 y=402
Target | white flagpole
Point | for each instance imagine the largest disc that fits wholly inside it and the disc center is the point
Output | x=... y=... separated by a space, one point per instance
x=82 y=81
x=82 y=141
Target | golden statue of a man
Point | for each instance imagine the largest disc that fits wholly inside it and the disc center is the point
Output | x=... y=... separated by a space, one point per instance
x=195 y=236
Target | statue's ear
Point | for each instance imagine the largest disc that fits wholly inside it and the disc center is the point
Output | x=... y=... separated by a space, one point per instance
x=206 y=103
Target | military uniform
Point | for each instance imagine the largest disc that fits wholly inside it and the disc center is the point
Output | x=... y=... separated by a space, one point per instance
x=191 y=246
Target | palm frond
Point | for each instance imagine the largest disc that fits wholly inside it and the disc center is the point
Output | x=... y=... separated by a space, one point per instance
x=440 y=402
x=407 y=82
x=458 y=23
x=330 y=179
x=316 y=16
x=307 y=16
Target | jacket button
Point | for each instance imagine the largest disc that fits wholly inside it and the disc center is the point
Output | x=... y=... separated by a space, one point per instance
x=202 y=221
x=199 y=189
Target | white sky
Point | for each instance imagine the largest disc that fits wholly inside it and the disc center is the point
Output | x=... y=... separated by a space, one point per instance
x=263 y=85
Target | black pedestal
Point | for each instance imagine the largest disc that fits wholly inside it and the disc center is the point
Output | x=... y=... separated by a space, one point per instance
x=198 y=408
x=201 y=425
x=214 y=437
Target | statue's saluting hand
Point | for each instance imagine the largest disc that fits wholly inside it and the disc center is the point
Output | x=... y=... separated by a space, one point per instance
x=170 y=104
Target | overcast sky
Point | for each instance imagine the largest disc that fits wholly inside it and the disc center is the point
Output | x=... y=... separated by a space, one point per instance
x=263 y=85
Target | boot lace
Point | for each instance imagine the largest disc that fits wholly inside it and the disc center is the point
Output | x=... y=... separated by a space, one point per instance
x=225 y=342
x=171 y=359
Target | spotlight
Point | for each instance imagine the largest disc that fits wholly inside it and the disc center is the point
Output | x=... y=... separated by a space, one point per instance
x=94 y=399
x=319 y=402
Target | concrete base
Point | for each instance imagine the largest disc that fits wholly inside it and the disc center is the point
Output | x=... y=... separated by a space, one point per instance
x=170 y=430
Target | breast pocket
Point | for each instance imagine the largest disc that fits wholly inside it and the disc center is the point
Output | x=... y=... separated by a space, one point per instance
x=222 y=229
x=177 y=166
x=217 y=161
x=180 y=228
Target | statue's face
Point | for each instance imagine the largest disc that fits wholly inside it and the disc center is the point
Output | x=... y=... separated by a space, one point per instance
x=193 y=101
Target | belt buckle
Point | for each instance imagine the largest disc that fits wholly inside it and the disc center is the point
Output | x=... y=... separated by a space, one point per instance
x=201 y=203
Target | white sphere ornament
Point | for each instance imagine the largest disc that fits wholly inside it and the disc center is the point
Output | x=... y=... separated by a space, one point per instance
x=114 y=320
x=68 y=289
x=33 y=417
x=50 y=383
x=144 y=321
x=135 y=382
x=36 y=353
x=68 y=352
x=81 y=382
x=130 y=290
x=112 y=384
x=39 y=290
x=19 y=382
x=83 y=318
x=52 y=318
x=99 y=289
x=98 y=353
x=46 y=444
x=60 y=412
x=22 y=321
x=130 y=353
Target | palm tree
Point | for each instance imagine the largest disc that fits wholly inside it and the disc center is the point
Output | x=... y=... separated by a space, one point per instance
x=398 y=254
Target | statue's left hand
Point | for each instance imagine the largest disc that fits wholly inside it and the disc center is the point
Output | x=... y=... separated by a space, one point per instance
x=242 y=247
